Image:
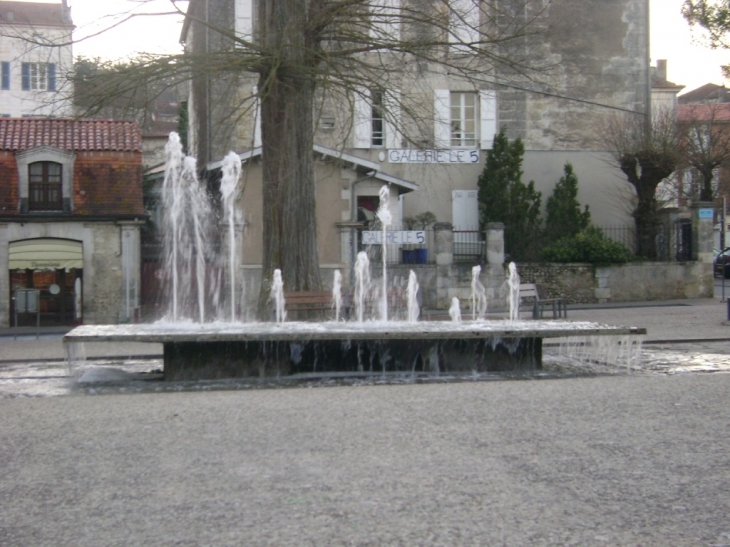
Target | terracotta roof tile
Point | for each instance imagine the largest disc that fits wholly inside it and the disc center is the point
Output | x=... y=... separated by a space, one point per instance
x=715 y=112
x=80 y=135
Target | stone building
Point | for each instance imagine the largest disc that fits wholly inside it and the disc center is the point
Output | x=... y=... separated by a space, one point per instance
x=596 y=62
x=70 y=215
x=35 y=56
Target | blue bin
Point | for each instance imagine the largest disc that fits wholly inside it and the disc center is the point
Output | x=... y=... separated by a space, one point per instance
x=421 y=256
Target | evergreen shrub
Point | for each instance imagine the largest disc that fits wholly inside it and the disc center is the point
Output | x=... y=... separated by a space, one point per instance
x=591 y=246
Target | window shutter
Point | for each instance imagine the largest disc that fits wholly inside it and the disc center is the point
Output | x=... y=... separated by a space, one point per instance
x=51 y=70
x=244 y=19
x=362 y=120
x=393 y=136
x=442 y=118
x=488 y=109
x=25 y=76
x=5 y=75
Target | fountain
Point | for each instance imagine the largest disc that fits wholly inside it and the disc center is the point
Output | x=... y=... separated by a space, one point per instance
x=211 y=348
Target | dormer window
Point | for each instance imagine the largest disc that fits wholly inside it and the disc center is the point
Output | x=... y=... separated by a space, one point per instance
x=45 y=186
x=45 y=180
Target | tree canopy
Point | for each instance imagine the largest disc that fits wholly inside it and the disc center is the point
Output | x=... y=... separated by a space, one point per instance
x=713 y=16
x=503 y=197
x=563 y=215
x=647 y=152
x=300 y=55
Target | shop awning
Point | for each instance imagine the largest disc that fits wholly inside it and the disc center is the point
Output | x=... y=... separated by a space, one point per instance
x=46 y=254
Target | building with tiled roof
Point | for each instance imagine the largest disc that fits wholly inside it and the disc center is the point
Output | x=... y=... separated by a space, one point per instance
x=35 y=53
x=663 y=92
x=71 y=184
x=708 y=93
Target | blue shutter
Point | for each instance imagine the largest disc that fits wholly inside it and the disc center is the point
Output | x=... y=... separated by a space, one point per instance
x=25 y=76
x=51 y=68
x=5 y=75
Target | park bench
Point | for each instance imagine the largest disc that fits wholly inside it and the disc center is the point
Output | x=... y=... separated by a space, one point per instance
x=530 y=292
x=305 y=304
x=313 y=304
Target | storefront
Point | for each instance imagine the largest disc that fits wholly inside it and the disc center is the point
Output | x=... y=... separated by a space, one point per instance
x=54 y=267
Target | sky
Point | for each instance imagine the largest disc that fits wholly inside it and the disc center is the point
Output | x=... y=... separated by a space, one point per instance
x=689 y=63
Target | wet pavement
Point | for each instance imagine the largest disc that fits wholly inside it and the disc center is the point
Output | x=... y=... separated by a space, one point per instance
x=687 y=336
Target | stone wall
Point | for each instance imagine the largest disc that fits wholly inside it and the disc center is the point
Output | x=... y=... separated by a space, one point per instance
x=633 y=282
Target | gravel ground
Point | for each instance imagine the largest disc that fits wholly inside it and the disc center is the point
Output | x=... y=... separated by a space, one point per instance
x=610 y=460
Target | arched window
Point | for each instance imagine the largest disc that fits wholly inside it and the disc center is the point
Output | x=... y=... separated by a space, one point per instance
x=45 y=182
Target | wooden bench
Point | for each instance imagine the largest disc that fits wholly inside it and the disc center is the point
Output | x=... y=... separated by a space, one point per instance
x=313 y=304
x=529 y=291
x=303 y=302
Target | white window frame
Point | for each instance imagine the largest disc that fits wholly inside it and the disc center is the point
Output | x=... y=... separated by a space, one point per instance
x=487 y=119
x=460 y=137
x=363 y=119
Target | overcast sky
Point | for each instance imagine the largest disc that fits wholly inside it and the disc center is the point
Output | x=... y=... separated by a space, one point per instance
x=689 y=63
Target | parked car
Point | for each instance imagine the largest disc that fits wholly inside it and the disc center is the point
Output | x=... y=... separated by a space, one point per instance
x=722 y=264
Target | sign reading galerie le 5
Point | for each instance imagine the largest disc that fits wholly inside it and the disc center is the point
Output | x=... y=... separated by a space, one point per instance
x=414 y=237
x=433 y=156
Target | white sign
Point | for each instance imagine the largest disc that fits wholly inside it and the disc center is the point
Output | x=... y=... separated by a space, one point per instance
x=433 y=156
x=396 y=237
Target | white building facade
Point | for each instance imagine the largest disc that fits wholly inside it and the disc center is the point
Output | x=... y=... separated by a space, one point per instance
x=35 y=57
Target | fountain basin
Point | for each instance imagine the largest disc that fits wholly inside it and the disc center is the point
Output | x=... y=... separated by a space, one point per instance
x=195 y=351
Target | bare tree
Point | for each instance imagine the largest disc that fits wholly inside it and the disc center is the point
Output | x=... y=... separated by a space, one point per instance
x=302 y=55
x=705 y=142
x=647 y=152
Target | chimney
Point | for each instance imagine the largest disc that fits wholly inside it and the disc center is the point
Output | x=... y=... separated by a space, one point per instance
x=66 y=12
x=661 y=68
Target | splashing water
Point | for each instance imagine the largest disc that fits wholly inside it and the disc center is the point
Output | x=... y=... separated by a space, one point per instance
x=513 y=294
x=414 y=310
x=478 y=295
x=277 y=295
x=362 y=283
x=187 y=221
x=337 y=293
x=455 y=311
x=386 y=220
x=229 y=184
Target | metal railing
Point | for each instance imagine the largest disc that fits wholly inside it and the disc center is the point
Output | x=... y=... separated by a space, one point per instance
x=673 y=242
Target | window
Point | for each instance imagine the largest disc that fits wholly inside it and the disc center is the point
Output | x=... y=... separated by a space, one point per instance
x=464 y=18
x=5 y=79
x=463 y=120
x=39 y=76
x=377 y=134
x=45 y=186
x=373 y=128
x=385 y=20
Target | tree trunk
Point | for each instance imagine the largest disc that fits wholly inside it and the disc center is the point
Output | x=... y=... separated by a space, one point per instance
x=287 y=99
